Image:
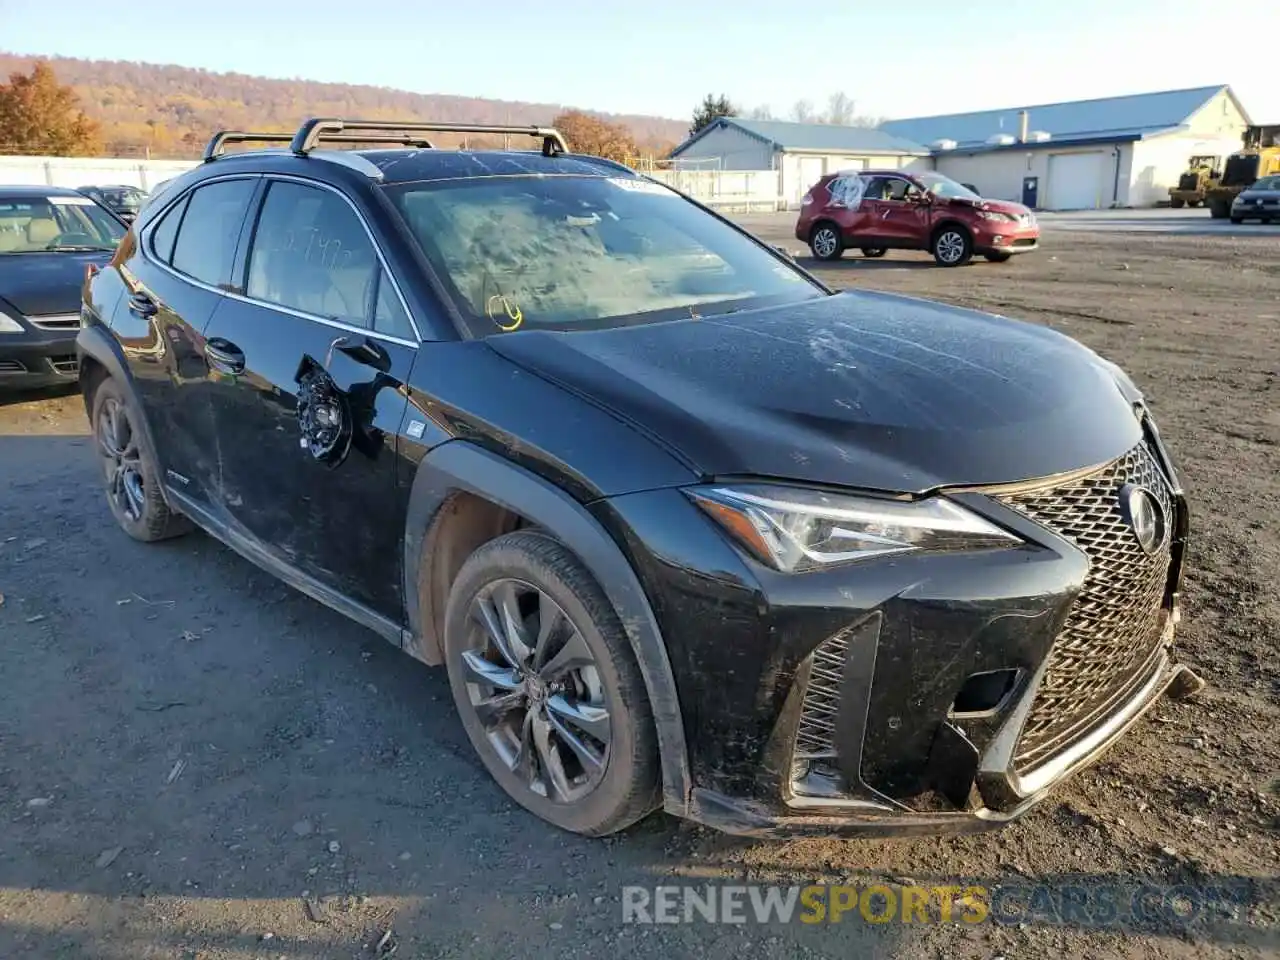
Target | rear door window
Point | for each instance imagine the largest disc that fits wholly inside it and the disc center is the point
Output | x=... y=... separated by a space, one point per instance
x=206 y=243
x=311 y=253
x=847 y=191
x=166 y=231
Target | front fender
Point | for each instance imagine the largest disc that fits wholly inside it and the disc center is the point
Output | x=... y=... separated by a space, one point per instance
x=460 y=466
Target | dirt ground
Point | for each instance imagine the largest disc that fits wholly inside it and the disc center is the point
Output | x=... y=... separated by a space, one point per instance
x=196 y=761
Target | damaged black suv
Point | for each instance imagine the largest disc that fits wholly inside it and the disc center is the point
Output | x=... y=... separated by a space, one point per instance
x=687 y=528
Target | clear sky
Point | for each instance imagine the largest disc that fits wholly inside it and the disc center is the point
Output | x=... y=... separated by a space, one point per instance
x=661 y=56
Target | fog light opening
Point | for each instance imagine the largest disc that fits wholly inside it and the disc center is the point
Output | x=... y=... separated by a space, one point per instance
x=985 y=693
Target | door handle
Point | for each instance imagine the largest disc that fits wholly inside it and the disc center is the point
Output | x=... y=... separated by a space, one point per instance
x=142 y=304
x=224 y=355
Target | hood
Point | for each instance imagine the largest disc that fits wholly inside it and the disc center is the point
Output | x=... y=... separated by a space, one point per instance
x=860 y=389
x=999 y=206
x=38 y=284
x=1251 y=192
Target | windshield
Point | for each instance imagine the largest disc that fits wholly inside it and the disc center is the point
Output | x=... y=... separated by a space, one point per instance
x=572 y=252
x=1267 y=183
x=38 y=224
x=941 y=186
x=120 y=197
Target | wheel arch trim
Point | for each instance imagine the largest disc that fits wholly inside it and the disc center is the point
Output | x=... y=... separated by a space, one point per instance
x=95 y=343
x=460 y=466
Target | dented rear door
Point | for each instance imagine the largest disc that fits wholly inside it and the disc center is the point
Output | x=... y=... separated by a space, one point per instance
x=308 y=373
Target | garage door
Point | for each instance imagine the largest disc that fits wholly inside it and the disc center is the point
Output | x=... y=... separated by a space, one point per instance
x=809 y=170
x=1077 y=181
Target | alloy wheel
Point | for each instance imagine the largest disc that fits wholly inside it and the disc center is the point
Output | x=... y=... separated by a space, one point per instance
x=118 y=443
x=825 y=242
x=533 y=683
x=950 y=247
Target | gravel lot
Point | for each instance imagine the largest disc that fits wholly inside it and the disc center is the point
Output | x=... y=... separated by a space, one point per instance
x=197 y=762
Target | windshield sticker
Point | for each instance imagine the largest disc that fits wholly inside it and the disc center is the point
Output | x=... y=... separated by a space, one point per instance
x=70 y=201
x=641 y=186
x=847 y=191
x=507 y=315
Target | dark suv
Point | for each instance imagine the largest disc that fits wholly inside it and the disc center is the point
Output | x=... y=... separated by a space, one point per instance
x=881 y=210
x=123 y=201
x=687 y=528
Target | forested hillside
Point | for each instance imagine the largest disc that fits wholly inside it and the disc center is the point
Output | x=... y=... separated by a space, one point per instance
x=171 y=110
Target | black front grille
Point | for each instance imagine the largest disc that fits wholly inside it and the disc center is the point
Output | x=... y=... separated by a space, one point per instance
x=815 y=737
x=1189 y=181
x=12 y=366
x=1110 y=641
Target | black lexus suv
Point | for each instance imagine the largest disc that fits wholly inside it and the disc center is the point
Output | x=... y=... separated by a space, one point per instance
x=686 y=528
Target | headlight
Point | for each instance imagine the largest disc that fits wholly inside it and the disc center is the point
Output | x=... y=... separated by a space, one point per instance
x=797 y=530
x=995 y=215
x=9 y=325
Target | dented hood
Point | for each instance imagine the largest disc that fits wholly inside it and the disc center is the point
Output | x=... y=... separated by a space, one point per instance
x=999 y=206
x=859 y=389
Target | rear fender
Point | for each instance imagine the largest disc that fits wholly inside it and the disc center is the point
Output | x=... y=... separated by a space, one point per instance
x=96 y=344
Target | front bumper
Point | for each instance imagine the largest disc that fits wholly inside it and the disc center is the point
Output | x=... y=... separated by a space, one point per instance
x=869 y=661
x=38 y=358
x=1252 y=211
x=1009 y=241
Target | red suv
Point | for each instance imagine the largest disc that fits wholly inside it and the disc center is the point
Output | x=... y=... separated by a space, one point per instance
x=879 y=210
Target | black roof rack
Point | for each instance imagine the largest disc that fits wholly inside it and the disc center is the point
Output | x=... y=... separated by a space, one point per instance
x=322 y=130
x=217 y=145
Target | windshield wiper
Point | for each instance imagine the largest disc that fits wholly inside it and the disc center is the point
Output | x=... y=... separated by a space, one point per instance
x=76 y=248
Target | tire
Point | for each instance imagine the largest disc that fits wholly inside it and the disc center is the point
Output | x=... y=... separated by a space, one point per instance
x=1194 y=203
x=825 y=241
x=1177 y=203
x=534 y=575
x=129 y=468
x=952 y=246
x=1218 y=209
x=874 y=252
x=998 y=257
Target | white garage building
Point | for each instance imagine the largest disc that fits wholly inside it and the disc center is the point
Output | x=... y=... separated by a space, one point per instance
x=801 y=152
x=1089 y=154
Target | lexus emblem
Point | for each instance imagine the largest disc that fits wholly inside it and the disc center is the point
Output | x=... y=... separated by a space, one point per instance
x=1143 y=512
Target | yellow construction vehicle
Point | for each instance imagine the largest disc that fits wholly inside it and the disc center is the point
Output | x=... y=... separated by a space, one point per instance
x=1201 y=176
x=1259 y=158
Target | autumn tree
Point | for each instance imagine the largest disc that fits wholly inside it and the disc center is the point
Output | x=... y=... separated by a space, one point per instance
x=39 y=116
x=600 y=138
x=710 y=110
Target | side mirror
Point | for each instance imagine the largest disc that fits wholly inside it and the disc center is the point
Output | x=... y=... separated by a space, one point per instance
x=363 y=350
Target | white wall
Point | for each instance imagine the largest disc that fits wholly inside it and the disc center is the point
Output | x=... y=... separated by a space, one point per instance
x=733 y=149
x=88 y=171
x=1155 y=164
x=1220 y=118
x=996 y=174
x=744 y=190
x=800 y=171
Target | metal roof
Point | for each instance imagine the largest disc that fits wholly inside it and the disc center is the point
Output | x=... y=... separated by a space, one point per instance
x=1120 y=118
x=817 y=137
